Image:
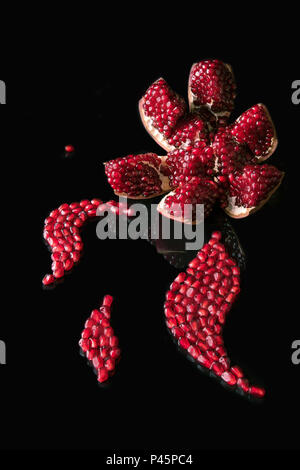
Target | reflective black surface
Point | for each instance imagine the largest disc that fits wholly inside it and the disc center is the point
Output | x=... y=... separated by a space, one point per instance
x=157 y=399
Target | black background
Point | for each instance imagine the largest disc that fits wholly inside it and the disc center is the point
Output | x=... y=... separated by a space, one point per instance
x=157 y=399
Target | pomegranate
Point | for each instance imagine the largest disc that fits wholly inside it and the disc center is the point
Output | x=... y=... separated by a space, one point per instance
x=255 y=128
x=250 y=188
x=98 y=341
x=196 y=191
x=201 y=144
x=196 y=307
x=212 y=85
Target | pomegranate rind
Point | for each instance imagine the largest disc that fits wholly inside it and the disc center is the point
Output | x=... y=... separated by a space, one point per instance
x=274 y=142
x=240 y=212
x=191 y=96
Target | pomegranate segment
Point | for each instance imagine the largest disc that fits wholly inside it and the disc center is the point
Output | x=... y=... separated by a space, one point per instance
x=196 y=307
x=196 y=191
x=98 y=341
x=137 y=176
x=212 y=85
x=61 y=232
x=160 y=109
x=189 y=130
x=229 y=155
x=251 y=188
x=256 y=129
x=185 y=163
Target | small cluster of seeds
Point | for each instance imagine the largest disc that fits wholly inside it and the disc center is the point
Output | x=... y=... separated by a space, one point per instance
x=135 y=175
x=255 y=129
x=98 y=341
x=62 y=233
x=253 y=184
x=196 y=307
x=163 y=106
x=212 y=84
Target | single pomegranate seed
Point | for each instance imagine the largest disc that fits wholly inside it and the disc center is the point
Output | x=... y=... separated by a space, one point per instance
x=229 y=378
x=257 y=391
x=48 y=279
x=69 y=148
x=102 y=375
x=107 y=301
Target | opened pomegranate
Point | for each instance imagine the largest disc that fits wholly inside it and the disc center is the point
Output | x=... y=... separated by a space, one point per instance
x=256 y=129
x=212 y=86
x=196 y=307
x=181 y=204
x=251 y=188
x=98 y=341
x=200 y=143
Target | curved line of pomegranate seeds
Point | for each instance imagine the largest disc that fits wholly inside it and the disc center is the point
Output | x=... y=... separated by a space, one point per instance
x=62 y=233
x=196 y=307
x=98 y=341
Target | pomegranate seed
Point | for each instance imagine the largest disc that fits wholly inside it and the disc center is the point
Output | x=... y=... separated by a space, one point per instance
x=257 y=392
x=69 y=148
x=48 y=279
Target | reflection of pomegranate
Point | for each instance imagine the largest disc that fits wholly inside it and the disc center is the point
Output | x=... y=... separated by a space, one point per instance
x=196 y=307
x=201 y=144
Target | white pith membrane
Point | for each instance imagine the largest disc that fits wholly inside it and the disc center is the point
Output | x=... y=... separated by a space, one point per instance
x=239 y=212
x=192 y=98
x=274 y=141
